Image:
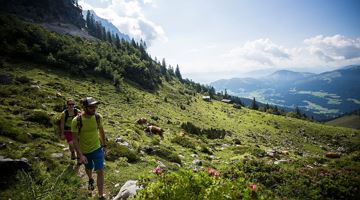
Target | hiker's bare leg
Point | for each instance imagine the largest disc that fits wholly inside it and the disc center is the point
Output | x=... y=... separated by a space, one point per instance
x=71 y=147
x=100 y=181
x=89 y=173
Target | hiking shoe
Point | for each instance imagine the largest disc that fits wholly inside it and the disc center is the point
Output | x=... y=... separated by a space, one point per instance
x=91 y=184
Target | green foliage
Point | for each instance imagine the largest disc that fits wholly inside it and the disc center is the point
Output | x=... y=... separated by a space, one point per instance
x=115 y=151
x=211 y=133
x=41 y=185
x=186 y=184
x=8 y=129
x=167 y=154
x=40 y=117
x=205 y=149
x=31 y=42
x=183 y=141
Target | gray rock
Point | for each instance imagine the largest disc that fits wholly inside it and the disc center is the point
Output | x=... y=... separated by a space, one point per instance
x=127 y=190
x=57 y=155
x=280 y=161
x=197 y=162
x=160 y=164
x=194 y=155
x=119 y=139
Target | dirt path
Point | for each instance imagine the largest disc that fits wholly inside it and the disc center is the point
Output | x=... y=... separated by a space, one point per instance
x=80 y=171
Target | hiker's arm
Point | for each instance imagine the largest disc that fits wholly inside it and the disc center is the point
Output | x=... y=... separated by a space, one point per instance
x=102 y=139
x=77 y=149
x=62 y=126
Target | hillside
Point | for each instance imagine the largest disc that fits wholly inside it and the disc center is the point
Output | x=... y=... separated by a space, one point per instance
x=257 y=155
x=324 y=95
x=350 y=121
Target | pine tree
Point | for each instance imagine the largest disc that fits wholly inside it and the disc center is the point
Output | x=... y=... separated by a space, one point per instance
x=117 y=41
x=163 y=67
x=254 y=105
x=108 y=36
x=177 y=73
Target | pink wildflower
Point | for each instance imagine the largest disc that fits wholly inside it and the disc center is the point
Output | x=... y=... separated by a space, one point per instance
x=213 y=172
x=157 y=170
x=253 y=186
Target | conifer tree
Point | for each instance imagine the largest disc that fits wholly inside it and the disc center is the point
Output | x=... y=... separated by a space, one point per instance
x=163 y=67
x=177 y=73
x=254 y=105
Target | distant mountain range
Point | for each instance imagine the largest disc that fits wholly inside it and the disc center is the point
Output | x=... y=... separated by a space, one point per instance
x=326 y=95
x=107 y=24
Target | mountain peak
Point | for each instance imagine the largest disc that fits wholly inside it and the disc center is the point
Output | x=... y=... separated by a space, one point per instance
x=107 y=24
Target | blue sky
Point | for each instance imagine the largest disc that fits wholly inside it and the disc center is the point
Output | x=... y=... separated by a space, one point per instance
x=213 y=39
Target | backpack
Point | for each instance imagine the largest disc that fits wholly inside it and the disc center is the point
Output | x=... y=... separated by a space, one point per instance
x=76 y=112
x=79 y=122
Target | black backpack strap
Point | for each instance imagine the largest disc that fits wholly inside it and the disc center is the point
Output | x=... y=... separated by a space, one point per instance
x=66 y=115
x=79 y=124
x=97 y=117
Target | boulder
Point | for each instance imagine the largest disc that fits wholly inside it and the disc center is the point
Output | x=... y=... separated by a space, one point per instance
x=127 y=190
x=9 y=167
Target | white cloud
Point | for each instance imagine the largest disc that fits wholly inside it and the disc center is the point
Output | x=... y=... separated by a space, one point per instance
x=334 y=48
x=261 y=52
x=128 y=17
x=319 y=52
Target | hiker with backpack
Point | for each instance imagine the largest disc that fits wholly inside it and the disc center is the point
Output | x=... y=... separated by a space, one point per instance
x=65 y=125
x=90 y=144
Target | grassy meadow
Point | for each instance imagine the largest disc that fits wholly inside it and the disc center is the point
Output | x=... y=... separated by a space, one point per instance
x=283 y=156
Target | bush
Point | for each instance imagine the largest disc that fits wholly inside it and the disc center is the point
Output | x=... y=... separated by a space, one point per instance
x=183 y=141
x=209 y=133
x=8 y=129
x=186 y=184
x=39 y=184
x=39 y=117
x=166 y=154
x=115 y=151
x=205 y=149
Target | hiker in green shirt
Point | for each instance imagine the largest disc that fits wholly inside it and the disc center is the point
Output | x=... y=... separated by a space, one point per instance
x=65 y=125
x=90 y=144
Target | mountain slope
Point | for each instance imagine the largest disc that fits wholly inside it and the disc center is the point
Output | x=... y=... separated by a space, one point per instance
x=108 y=25
x=255 y=155
x=327 y=94
x=42 y=89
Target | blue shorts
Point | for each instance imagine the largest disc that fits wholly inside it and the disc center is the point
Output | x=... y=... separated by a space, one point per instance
x=95 y=159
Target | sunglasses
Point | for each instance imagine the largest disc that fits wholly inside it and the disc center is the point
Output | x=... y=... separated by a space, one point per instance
x=71 y=104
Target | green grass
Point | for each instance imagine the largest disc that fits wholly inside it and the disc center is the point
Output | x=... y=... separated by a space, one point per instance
x=350 y=121
x=24 y=111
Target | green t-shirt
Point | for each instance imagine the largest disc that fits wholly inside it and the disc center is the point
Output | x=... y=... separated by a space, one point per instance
x=89 y=139
x=68 y=122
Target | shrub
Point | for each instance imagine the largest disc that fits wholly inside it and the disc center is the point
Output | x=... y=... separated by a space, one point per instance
x=115 y=151
x=205 y=149
x=42 y=185
x=39 y=117
x=8 y=129
x=183 y=141
x=166 y=154
x=209 y=133
x=186 y=184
